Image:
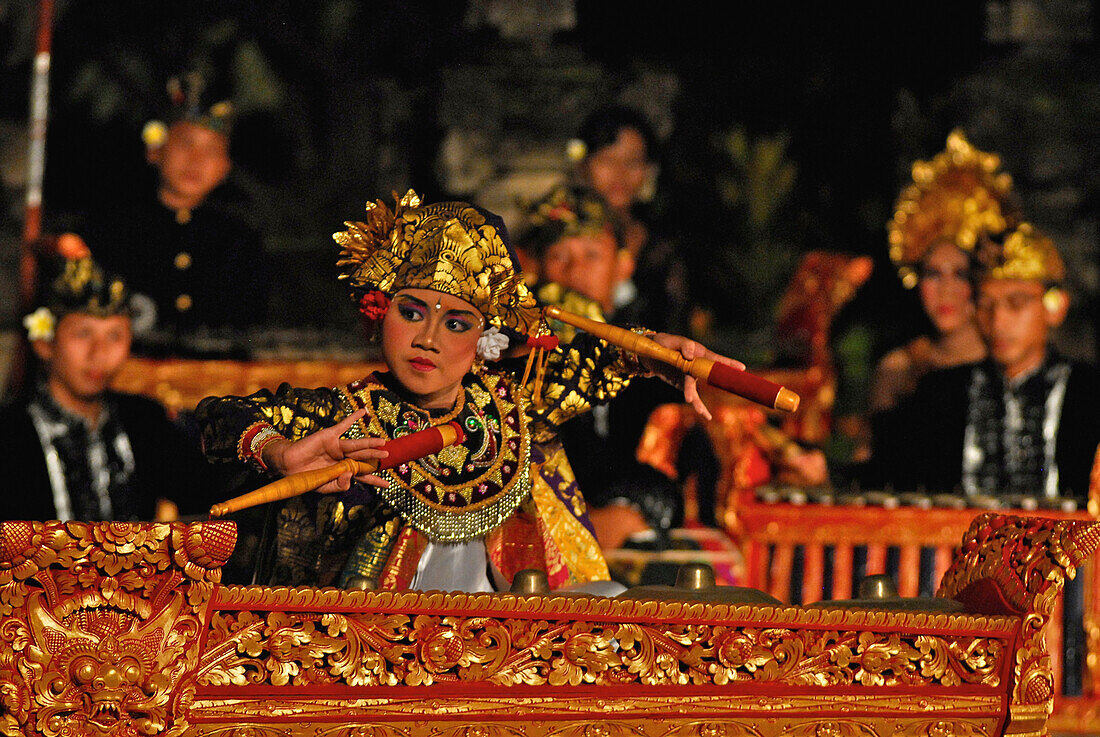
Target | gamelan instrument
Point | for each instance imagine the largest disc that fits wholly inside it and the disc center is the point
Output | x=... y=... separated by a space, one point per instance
x=204 y=659
x=401 y=450
x=727 y=378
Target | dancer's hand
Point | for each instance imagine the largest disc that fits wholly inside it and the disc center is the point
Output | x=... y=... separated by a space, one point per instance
x=689 y=349
x=325 y=448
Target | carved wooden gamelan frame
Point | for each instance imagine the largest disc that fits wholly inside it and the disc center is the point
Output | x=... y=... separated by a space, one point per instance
x=118 y=629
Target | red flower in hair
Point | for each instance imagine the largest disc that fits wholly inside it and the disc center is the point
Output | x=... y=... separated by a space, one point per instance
x=374 y=304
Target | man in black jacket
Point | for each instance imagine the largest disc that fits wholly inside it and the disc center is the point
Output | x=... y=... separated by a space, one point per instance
x=179 y=241
x=1022 y=423
x=79 y=450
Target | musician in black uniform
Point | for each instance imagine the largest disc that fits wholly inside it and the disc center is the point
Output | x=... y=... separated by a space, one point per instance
x=75 y=449
x=179 y=242
x=1017 y=427
x=1022 y=423
x=573 y=237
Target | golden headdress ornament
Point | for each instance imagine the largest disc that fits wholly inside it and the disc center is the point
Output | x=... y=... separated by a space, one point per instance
x=955 y=197
x=80 y=285
x=188 y=102
x=1024 y=254
x=451 y=247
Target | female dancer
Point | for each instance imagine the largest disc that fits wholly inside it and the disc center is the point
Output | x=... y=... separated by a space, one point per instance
x=442 y=283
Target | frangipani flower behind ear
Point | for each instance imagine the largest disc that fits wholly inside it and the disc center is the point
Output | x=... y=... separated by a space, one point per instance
x=40 y=324
x=154 y=134
x=491 y=344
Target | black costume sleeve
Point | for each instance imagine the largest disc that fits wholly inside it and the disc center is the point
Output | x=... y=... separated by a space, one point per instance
x=293 y=412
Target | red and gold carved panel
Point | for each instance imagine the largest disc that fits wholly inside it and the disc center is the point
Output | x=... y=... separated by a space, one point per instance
x=123 y=630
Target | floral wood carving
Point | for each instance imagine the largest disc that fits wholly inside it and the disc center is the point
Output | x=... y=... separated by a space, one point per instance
x=122 y=630
x=296 y=639
x=101 y=624
x=1021 y=563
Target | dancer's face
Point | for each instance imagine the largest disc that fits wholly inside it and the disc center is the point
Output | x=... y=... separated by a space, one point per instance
x=429 y=341
x=945 y=289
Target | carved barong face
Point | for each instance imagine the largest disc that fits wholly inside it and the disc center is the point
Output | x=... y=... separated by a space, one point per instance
x=100 y=624
x=100 y=670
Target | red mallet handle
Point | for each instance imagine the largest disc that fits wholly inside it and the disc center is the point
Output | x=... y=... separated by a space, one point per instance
x=401 y=450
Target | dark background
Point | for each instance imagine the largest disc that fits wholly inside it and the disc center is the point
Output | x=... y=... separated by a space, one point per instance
x=342 y=102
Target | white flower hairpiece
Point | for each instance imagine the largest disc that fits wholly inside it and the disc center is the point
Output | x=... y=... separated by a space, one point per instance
x=143 y=314
x=491 y=343
x=40 y=324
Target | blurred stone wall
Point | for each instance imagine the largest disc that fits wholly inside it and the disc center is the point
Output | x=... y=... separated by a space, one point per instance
x=507 y=115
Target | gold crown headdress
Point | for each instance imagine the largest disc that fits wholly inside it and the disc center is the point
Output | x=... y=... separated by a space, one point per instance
x=451 y=247
x=955 y=197
x=1025 y=254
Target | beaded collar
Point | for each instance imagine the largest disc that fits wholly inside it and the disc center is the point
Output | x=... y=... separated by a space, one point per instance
x=465 y=490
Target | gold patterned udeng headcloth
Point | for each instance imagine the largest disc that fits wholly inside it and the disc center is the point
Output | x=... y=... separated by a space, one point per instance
x=80 y=285
x=1025 y=254
x=451 y=247
x=74 y=285
x=956 y=197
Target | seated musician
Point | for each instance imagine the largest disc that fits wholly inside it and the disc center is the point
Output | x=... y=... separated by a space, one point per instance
x=1021 y=423
x=82 y=451
x=571 y=238
x=441 y=283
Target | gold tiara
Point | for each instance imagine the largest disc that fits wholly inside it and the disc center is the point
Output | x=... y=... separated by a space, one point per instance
x=956 y=197
x=451 y=247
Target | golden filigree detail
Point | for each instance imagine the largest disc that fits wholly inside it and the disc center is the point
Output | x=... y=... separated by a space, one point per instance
x=713 y=729
x=1026 y=254
x=87 y=653
x=598 y=728
x=605 y=609
x=381 y=647
x=941 y=728
x=100 y=629
x=563 y=705
x=830 y=728
x=451 y=247
x=1021 y=564
x=83 y=286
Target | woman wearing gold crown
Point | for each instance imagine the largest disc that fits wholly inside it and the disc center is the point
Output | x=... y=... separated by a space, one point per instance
x=443 y=283
x=954 y=199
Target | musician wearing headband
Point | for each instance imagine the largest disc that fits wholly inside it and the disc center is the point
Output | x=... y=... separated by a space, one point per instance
x=1023 y=421
x=440 y=283
x=181 y=241
x=570 y=234
x=77 y=449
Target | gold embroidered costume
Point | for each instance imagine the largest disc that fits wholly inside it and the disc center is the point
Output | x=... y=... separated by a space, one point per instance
x=507 y=484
